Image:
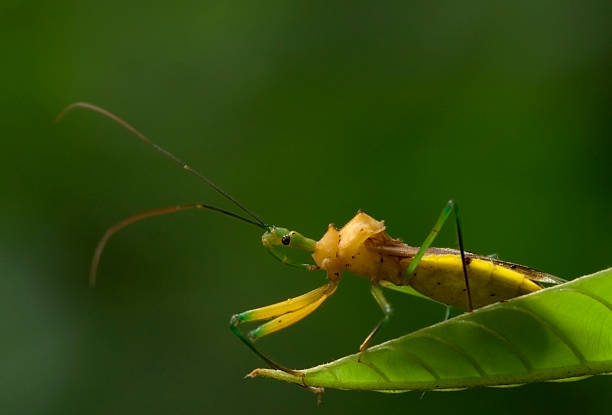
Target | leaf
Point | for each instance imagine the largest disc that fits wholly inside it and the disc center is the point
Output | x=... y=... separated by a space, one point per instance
x=557 y=334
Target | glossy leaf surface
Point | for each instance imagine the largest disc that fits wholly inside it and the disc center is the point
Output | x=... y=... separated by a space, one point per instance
x=560 y=333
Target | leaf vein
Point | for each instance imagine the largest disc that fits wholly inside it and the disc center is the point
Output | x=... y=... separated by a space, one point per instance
x=375 y=369
x=547 y=325
x=332 y=372
x=417 y=359
x=503 y=340
x=592 y=296
x=456 y=349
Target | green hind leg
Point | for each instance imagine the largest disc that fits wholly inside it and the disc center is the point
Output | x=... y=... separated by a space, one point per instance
x=451 y=206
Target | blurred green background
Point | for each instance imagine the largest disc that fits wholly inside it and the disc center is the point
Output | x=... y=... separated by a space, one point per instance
x=306 y=112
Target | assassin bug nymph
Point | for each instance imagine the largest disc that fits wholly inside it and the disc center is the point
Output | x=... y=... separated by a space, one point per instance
x=453 y=277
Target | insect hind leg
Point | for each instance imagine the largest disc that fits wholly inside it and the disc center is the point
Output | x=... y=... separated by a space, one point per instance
x=387 y=310
x=451 y=207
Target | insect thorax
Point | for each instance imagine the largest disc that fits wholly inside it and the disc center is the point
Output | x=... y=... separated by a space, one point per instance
x=354 y=248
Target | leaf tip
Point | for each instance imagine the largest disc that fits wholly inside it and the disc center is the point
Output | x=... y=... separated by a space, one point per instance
x=253 y=374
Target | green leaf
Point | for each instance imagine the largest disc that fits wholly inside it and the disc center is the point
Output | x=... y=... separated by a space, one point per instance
x=556 y=334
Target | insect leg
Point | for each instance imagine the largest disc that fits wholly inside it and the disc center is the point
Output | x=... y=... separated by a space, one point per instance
x=386 y=309
x=274 y=310
x=282 y=308
x=451 y=206
x=292 y=317
x=447 y=313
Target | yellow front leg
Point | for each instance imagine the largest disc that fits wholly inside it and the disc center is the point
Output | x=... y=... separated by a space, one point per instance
x=290 y=311
x=292 y=317
x=273 y=310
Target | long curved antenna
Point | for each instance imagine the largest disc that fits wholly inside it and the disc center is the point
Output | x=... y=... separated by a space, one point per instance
x=161 y=150
x=144 y=215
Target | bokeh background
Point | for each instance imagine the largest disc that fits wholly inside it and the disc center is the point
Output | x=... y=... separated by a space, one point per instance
x=306 y=112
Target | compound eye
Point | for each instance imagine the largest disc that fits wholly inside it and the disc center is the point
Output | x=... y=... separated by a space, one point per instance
x=286 y=240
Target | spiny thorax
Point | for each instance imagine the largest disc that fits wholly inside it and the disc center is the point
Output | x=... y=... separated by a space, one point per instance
x=344 y=249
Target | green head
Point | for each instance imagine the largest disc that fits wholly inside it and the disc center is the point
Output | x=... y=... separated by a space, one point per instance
x=276 y=236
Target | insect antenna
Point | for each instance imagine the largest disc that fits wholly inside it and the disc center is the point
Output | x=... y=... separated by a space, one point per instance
x=145 y=215
x=161 y=150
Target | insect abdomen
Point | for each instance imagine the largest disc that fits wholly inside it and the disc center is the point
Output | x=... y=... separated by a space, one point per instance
x=441 y=278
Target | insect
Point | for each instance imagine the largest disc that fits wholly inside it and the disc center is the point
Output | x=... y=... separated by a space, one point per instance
x=363 y=247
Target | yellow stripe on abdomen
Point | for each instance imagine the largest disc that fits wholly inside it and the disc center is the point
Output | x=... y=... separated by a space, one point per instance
x=440 y=277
